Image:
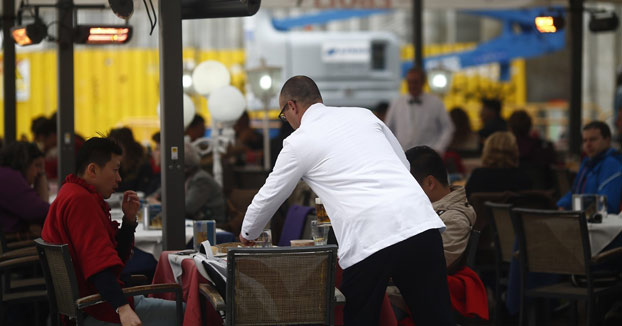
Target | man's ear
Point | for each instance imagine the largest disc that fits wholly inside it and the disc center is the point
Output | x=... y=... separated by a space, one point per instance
x=91 y=170
x=430 y=182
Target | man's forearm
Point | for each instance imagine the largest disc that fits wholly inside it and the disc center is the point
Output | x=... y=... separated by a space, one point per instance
x=125 y=239
x=106 y=284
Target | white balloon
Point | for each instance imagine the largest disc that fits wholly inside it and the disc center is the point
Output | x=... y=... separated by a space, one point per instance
x=210 y=75
x=189 y=110
x=226 y=103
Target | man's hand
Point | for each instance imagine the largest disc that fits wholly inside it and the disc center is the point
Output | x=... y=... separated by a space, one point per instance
x=130 y=205
x=246 y=242
x=128 y=316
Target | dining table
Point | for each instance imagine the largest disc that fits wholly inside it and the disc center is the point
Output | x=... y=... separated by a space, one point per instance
x=190 y=279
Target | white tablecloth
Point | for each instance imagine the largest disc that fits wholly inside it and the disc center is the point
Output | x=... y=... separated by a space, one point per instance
x=151 y=240
x=601 y=234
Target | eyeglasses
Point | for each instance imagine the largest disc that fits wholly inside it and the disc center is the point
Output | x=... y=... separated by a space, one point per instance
x=282 y=114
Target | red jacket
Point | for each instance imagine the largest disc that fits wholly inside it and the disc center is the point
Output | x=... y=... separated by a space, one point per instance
x=80 y=218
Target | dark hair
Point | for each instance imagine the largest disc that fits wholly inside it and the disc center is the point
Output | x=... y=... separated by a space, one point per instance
x=492 y=104
x=520 y=123
x=425 y=161
x=302 y=89
x=43 y=127
x=133 y=151
x=461 y=121
x=156 y=137
x=603 y=127
x=96 y=150
x=196 y=121
x=36 y=124
x=419 y=70
x=19 y=155
x=381 y=107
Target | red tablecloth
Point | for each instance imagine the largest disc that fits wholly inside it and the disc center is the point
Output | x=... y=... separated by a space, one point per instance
x=191 y=278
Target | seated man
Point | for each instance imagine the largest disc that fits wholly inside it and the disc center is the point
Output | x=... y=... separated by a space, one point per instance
x=450 y=203
x=600 y=172
x=99 y=249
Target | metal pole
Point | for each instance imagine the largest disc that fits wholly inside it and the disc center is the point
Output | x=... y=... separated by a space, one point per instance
x=8 y=46
x=418 y=32
x=576 y=76
x=172 y=125
x=65 y=114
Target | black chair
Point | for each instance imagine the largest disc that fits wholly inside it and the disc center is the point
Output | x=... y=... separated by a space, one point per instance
x=278 y=286
x=63 y=290
x=557 y=242
x=16 y=290
x=504 y=237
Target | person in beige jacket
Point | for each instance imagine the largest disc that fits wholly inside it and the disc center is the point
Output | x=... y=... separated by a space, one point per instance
x=449 y=202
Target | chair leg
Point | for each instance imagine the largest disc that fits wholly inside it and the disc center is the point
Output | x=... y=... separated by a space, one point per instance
x=180 y=307
x=574 y=316
x=522 y=317
x=589 y=311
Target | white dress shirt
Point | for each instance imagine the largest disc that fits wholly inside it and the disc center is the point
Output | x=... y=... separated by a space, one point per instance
x=424 y=123
x=353 y=162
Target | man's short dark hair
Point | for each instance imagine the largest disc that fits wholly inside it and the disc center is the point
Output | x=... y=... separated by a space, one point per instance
x=425 y=161
x=603 y=127
x=492 y=104
x=302 y=89
x=196 y=121
x=96 y=150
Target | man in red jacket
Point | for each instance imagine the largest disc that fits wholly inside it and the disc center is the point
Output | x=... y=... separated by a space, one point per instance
x=99 y=249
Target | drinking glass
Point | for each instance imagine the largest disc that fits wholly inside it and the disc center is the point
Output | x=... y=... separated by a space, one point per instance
x=265 y=239
x=319 y=231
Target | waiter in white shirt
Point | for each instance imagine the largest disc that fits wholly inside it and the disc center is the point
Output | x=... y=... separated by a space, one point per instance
x=420 y=118
x=383 y=221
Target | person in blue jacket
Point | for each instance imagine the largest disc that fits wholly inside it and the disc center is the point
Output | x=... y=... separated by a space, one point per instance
x=600 y=172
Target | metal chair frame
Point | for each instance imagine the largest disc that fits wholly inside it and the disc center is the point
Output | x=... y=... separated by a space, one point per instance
x=589 y=294
x=332 y=295
x=71 y=303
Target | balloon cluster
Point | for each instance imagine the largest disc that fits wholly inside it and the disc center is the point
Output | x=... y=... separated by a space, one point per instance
x=212 y=80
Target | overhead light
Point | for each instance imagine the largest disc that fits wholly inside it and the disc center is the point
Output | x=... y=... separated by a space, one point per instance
x=439 y=80
x=29 y=34
x=549 y=24
x=92 y=34
x=265 y=82
x=122 y=8
x=603 y=21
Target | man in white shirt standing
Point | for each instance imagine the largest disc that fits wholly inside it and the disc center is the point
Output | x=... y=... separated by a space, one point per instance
x=420 y=118
x=384 y=223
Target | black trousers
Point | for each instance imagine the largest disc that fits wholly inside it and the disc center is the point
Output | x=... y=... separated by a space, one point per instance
x=417 y=266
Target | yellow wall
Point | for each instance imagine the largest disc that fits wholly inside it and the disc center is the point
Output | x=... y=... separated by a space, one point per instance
x=113 y=88
x=120 y=87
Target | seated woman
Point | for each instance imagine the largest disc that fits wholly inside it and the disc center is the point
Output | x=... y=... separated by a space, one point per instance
x=499 y=171
x=23 y=188
x=204 y=196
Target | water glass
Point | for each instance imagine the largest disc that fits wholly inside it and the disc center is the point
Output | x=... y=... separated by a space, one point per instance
x=319 y=231
x=265 y=239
